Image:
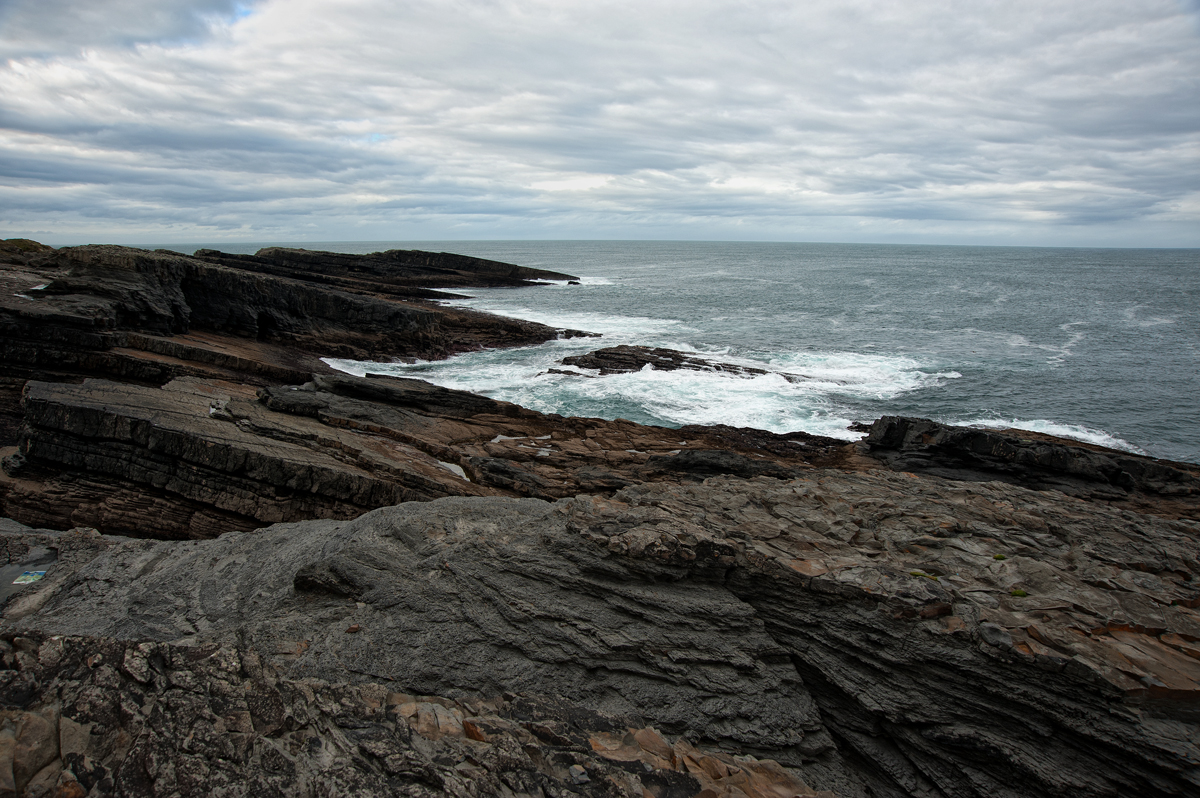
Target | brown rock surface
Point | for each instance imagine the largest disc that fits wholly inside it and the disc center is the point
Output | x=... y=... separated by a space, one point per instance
x=935 y=611
x=198 y=457
x=98 y=716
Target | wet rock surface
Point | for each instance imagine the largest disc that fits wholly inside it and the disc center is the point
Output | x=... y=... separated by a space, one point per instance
x=626 y=358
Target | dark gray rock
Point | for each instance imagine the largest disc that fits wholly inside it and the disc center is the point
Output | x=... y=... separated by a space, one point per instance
x=884 y=634
x=1036 y=461
x=625 y=358
x=104 y=717
x=401 y=271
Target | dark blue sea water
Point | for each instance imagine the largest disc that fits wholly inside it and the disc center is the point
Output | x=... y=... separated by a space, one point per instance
x=1098 y=344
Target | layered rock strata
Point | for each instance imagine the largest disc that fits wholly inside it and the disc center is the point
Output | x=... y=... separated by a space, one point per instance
x=199 y=457
x=1038 y=461
x=934 y=611
x=98 y=716
x=879 y=633
x=148 y=317
x=119 y=288
x=397 y=273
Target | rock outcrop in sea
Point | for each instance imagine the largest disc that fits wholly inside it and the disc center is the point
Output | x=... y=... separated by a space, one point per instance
x=231 y=570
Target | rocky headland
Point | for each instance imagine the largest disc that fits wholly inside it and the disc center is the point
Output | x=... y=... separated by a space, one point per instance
x=266 y=577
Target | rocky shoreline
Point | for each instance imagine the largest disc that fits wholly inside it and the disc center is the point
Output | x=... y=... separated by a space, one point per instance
x=266 y=577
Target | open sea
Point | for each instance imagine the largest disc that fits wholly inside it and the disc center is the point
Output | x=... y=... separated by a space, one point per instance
x=1102 y=345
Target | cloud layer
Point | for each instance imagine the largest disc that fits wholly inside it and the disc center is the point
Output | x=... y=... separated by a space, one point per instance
x=994 y=122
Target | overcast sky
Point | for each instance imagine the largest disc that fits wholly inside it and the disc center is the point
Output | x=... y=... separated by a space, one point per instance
x=1061 y=122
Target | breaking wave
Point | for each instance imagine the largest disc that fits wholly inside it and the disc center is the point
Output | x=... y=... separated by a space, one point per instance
x=1076 y=432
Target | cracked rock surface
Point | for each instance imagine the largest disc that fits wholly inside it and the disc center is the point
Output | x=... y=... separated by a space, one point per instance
x=97 y=716
x=198 y=457
x=876 y=632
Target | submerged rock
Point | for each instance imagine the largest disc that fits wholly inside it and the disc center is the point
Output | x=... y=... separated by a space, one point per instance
x=624 y=359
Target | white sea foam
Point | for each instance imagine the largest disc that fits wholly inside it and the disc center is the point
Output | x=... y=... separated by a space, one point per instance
x=860 y=375
x=812 y=399
x=1076 y=432
x=571 y=285
x=675 y=398
x=1130 y=315
x=587 y=282
x=1058 y=353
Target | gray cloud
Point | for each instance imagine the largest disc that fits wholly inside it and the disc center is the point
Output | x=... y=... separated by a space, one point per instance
x=1022 y=122
x=57 y=27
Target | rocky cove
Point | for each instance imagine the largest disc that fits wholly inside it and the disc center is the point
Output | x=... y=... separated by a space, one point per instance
x=266 y=577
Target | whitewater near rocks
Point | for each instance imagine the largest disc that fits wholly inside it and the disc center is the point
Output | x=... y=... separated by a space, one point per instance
x=1095 y=345
x=372 y=585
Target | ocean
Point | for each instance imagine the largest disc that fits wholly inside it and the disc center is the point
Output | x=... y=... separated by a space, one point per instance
x=1101 y=345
